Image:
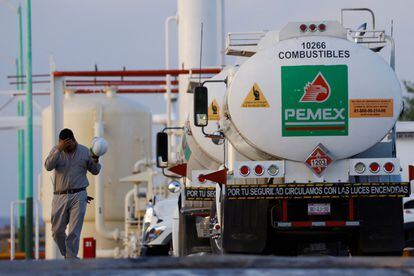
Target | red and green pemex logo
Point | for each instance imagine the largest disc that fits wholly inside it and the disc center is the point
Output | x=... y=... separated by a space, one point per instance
x=316 y=91
x=315 y=100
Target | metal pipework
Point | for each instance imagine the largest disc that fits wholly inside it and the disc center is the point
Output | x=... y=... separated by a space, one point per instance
x=168 y=81
x=136 y=73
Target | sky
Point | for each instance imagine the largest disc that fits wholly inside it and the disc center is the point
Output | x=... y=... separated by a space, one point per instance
x=116 y=33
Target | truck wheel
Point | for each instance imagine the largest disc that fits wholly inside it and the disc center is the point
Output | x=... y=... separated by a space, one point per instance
x=216 y=241
x=189 y=242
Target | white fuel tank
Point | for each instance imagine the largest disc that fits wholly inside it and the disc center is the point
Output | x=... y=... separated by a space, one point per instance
x=300 y=92
x=208 y=152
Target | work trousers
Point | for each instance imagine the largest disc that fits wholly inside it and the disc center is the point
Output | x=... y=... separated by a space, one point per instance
x=68 y=209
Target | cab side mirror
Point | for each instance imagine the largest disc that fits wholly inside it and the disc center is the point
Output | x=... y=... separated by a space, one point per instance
x=200 y=106
x=409 y=204
x=162 y=150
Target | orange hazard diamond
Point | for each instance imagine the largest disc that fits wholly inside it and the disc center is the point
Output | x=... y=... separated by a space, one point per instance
x=319 y=160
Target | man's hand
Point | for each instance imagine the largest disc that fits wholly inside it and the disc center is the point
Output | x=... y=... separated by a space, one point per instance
x=63 y=144
x=89 y=199
x=93 y=156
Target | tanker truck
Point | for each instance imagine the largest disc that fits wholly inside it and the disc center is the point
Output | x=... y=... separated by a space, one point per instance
x=303 y=147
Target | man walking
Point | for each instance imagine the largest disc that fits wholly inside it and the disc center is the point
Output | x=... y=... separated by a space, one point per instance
x=71 y=161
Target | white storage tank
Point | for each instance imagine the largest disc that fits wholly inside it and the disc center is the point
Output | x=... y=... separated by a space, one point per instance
x=127 y=129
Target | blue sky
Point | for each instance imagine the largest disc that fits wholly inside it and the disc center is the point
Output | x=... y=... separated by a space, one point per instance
x=117 y=33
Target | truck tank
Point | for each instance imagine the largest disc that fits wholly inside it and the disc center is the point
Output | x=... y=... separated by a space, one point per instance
x=201 y=153
x=310 y=89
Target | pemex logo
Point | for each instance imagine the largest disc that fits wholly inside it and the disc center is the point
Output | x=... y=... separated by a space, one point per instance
x=317 y=91
x=314 y=100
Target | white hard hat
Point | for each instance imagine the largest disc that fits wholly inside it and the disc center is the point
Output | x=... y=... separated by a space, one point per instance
x=99 y=146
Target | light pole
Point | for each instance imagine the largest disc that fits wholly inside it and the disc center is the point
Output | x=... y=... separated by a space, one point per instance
x=20 y=137
x=29 y=137
x=20 y=134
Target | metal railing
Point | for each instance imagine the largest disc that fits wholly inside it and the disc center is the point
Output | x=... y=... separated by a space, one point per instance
x=13 y=204
x=243 y=43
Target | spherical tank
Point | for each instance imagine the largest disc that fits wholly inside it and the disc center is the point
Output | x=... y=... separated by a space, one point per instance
x=127 y=129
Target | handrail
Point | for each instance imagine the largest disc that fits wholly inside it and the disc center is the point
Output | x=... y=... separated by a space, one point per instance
x=358 y=9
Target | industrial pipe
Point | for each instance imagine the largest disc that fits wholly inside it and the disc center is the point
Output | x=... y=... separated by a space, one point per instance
x=12 y=227
x=24 y=76
x=136 y=73
x=100 y=226
x=129 y=199
x=29 y=137
x=20 y=137
x=116 y=82
x=168 y=80
x=126 y=91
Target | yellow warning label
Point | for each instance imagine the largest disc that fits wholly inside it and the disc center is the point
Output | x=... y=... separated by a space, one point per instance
x=255 y=98
x=371 y=108
x=214 y=111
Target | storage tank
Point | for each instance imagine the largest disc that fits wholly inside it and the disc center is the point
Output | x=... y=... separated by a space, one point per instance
x=127 y=129
x=306 y=90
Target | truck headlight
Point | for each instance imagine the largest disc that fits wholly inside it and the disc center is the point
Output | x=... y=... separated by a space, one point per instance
x=154 y=233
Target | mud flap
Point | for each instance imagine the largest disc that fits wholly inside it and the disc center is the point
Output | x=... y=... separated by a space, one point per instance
x=382 y=226
x=245 y=227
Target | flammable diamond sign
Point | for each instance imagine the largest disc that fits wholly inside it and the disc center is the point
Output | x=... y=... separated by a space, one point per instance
x=319 y=160
x=315 y=100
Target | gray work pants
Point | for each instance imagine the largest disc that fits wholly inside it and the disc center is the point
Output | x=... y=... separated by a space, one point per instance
x=68 y=209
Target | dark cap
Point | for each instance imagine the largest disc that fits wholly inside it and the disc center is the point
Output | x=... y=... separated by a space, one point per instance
x=65 y=134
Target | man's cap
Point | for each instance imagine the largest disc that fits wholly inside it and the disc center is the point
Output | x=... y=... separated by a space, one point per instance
x=65 y=134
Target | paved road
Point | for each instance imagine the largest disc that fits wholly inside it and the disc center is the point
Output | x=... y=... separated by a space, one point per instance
x=216 y=265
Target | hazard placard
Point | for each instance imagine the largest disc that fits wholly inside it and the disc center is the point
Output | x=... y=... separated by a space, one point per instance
x=214 y=111
x=371 y=108
x=318 y=160
x=255 y=98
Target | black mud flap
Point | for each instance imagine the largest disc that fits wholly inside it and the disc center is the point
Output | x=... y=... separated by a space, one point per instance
x=382 y=226
x=245 y=227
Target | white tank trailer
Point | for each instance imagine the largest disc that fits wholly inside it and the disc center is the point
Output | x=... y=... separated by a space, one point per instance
x=305 y=167
x=126 y=126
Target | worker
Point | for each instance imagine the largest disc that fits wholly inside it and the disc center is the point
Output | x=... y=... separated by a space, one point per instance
x=71 y=161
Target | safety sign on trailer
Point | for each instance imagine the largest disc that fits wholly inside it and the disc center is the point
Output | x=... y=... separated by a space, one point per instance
x=317 y=190
x=315 y=100
x=371 y=108
x=319 y=160
x=214 y=111
x=255 y=98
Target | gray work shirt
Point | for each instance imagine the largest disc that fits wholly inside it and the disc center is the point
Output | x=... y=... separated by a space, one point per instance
x=71 y=169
